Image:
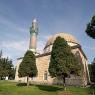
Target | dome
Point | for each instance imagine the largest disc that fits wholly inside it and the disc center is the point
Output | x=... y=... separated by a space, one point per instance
x=69 y=38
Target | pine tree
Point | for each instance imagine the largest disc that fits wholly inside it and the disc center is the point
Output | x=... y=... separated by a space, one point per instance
x=28 y=67
x=90 y=29
x=92 y=71
x=0 y=53
x=6 y=68
x=62 y=61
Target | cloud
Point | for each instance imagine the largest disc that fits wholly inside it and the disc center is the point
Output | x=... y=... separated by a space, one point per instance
x=42 y=39
x=8 y=18
x=5 y=55
x=90 y=48
x=40 y=46
x=16 y=45
x=14 y=49
x=10 y=24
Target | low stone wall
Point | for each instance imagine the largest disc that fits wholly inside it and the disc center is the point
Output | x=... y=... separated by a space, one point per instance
x=69 y=81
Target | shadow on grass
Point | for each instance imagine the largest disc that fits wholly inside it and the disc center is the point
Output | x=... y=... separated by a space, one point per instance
x=43 y=87
x=21 y=84
x=24 y=84
x=49 y=88
x=92 y=86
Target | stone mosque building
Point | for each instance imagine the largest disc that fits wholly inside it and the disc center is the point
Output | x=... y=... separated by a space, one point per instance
x=42 y=60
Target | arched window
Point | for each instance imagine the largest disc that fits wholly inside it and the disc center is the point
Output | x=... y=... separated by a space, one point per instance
x=77 y=55
x=45 y=75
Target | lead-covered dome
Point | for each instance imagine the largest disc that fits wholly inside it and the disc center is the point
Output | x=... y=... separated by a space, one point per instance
x=69 y=38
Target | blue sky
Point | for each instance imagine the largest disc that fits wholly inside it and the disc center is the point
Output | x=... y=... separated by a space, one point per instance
x=69 y=16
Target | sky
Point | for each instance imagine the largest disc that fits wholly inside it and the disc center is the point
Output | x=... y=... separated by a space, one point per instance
x=54 y=16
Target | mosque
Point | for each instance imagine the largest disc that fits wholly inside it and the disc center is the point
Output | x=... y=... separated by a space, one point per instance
x=42 y=60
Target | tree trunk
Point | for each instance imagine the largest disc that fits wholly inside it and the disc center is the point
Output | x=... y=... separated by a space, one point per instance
x=64 y=83
x=27 y=80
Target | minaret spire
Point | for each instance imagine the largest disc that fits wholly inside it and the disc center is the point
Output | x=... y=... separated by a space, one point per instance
x=33 y=36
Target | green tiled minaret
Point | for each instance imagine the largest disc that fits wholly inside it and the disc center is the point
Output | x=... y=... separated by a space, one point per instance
x=33 y=36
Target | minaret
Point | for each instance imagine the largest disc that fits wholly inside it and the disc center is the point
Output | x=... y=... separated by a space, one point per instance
x=33 y=36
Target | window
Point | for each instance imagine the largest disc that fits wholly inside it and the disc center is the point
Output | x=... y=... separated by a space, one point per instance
x=32 y=78
x=77 y=54
x=45 y=75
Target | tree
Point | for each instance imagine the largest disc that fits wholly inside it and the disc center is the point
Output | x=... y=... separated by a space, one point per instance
x=90 y=29
x=0 y=53
x=6 y=68
x=10 y=69
x=28 y=67
x=62 y=61
x=92 y=71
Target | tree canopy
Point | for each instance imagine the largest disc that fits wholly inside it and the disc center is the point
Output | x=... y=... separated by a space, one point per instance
x=28 y=67
x=6 y=68
x=90 y=29
x=63 y=62
x=92 y=71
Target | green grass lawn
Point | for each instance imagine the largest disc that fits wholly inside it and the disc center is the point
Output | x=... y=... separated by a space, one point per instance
x=9 y=88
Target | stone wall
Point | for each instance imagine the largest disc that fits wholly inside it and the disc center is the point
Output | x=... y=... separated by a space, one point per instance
x=42 y=63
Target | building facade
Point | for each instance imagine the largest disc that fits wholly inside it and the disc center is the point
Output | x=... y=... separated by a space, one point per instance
x=42 y=60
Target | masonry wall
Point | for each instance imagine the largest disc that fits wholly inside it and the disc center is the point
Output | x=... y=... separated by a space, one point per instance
x=42 y=63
